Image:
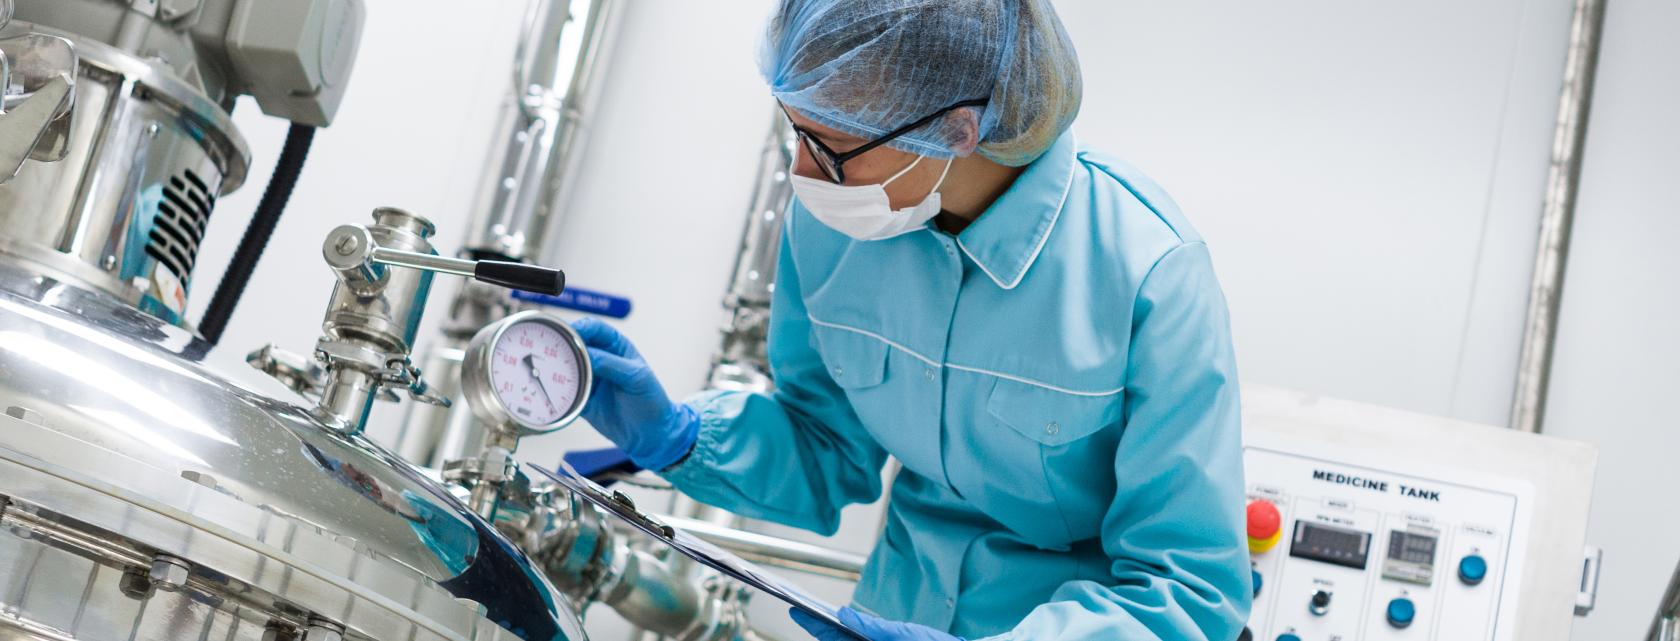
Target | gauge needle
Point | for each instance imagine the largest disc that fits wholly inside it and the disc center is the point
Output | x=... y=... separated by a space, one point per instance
x=531 y=362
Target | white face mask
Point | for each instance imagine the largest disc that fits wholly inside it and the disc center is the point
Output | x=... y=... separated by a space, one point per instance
x=863 y=211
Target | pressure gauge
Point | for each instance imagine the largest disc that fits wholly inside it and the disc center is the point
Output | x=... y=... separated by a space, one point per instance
x=528 y=373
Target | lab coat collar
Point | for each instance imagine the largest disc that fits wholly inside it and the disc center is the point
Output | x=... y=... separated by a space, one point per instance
x=1008 y=237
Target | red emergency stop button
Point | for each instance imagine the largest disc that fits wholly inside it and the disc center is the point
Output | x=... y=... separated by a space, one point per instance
x=1265 y=526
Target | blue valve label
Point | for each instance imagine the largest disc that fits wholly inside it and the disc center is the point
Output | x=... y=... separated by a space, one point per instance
x=581 y=300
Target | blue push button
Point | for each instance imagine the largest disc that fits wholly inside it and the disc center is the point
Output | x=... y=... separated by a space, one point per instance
x=1401 y=612
x=1472 y=569
x=1257 y=582
x=1288 y=637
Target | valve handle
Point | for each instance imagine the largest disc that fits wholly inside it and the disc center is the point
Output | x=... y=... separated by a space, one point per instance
x=359 y=260
x=531 y=278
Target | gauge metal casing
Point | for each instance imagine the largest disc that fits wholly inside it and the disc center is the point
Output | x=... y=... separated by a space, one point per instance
x=480 y=392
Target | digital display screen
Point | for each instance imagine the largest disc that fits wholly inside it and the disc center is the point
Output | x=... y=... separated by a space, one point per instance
x=1412 y=548
x=1411 y=556
x=1329 y=544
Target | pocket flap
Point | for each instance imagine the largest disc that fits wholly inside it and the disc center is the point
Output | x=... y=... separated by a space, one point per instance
x=1049 y=416
x=853 y=359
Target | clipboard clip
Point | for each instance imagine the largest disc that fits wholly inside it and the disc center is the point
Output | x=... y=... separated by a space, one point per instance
x=634 y=514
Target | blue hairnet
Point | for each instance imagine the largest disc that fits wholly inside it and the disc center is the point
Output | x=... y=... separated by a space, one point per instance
x=867 y=67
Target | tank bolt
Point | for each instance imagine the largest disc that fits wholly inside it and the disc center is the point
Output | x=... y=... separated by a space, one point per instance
x=134 y=583
x=169 y=572
x=323 y=630
x=278 y=631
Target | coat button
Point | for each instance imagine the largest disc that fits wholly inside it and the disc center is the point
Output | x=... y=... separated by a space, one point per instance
x=839 y=371
x=929 y=374
x=1052 y=428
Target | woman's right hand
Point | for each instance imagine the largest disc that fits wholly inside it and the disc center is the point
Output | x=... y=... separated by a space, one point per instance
x=629 y=406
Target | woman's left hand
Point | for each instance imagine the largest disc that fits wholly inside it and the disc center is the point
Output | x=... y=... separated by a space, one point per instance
x=876 y=628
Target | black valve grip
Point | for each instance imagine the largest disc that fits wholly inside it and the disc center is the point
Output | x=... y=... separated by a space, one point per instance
x=531 y=278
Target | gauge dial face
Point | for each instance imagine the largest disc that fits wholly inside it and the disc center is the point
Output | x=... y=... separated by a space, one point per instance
x=535 y=374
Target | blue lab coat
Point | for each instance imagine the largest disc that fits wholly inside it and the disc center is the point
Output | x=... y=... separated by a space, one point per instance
x=1058 y=382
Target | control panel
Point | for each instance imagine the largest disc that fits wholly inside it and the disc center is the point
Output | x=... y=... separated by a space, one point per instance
x=1347 y=553
x=1370 y=524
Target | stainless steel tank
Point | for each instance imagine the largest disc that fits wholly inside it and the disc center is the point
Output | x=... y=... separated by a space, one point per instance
x=145 y=497
x=119 y=191
x=142 y=496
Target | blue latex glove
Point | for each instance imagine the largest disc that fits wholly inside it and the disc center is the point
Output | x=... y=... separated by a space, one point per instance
x=629 y=406
x=876 y=628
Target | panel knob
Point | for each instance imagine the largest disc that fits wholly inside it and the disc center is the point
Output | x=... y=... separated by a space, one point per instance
x=1319 y=604
x=1472 y=569
x=1288 y=637
x=1257 y=581
x=1265 y=526
x=1401 y=612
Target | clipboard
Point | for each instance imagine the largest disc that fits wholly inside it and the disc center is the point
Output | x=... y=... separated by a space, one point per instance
x=716 y=558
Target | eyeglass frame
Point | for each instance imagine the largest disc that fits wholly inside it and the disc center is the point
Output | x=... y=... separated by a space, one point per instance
x=836 y=160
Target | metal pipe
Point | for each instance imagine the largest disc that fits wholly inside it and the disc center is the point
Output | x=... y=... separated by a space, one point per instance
x=558 y=71
x=652 y=595
x=347 y=399
x=1557 y=216
x=592 y=558
x=1663 y=627
x=774 y=551
x=742 y=362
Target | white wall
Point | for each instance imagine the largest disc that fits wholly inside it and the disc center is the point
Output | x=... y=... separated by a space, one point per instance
x=1615 y=377
x=1368 y=175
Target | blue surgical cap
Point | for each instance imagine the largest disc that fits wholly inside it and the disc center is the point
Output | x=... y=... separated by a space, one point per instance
x=867 y=67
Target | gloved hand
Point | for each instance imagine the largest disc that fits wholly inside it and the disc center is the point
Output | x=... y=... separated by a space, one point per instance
x=629 y=406
x=876 y=628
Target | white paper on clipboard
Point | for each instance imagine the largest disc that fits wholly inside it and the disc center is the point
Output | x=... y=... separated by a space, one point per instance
x=706 y=554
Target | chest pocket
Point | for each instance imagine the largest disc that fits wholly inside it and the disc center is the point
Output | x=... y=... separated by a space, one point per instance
x=1051 y=417
x=854 y=361
x=1073 y=467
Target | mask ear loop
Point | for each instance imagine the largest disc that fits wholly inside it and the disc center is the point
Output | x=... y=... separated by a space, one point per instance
x=942 y=175
x=936 y=183
x=906 y=170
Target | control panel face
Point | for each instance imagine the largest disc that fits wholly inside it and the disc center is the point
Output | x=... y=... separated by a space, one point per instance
x=1343 y=552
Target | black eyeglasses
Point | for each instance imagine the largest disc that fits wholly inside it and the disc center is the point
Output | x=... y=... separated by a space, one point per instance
x=830 y=161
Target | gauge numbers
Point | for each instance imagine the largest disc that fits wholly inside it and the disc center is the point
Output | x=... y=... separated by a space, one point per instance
x=530 y=369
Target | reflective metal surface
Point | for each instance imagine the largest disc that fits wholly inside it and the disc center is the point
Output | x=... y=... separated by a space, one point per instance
x=578 y=547
x=1557 y=216
x=556 y=84
x=371 y=319
x=117 y=193
x=118 y=446
x=742 y=363
x=1666 y=625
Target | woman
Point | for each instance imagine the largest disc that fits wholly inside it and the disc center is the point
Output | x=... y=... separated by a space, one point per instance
x=1033 y=330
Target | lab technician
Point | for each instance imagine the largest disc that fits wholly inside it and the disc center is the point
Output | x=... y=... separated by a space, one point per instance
x=1032 y=328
